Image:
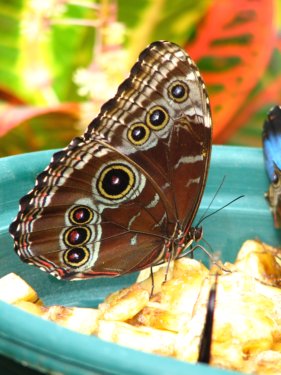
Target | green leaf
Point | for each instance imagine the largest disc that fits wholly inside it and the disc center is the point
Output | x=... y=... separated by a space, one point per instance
x=9 y=44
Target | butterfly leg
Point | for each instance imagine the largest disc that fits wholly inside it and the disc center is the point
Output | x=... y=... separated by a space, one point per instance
x=191 y=254
x=152 y=281
x=172 y=253
x=168 y=267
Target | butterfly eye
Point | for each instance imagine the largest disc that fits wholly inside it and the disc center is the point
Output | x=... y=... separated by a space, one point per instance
x=80 y=215
x=77 y=236
x=115 y=181
x=178 y=91
x=76 y=257
x=138 y=134
x=275 y=179
x=157 y=118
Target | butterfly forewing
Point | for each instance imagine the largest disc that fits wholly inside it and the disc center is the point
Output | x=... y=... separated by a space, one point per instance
x=110 y=202
x=180 y=146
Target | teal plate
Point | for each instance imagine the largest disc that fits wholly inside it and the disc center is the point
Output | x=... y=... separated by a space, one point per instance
x=47 y=347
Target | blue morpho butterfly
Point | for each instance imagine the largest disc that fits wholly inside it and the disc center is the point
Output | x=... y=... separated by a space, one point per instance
x=271 y=137
x=123 y=196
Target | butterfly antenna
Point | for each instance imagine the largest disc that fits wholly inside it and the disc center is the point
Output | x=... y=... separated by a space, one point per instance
x=212 y=200
x=219 y=209
x=205 y=347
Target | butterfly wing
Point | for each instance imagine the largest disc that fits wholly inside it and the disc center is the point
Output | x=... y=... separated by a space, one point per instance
x=109 y=203
x=272 y=157
x=272 y=141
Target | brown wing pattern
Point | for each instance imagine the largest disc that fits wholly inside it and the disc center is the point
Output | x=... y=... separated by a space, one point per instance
x=107 y=204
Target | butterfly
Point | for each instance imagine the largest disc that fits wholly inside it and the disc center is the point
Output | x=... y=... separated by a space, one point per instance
x=123 y=196
x=271 y=138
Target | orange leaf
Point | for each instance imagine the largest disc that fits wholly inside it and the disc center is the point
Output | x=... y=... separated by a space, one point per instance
x=232 y=49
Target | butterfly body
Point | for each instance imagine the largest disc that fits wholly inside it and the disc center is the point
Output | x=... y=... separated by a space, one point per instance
x=272 y=156
x=123 y=196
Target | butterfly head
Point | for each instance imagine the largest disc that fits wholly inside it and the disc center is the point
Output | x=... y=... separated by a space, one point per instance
x=196 y=233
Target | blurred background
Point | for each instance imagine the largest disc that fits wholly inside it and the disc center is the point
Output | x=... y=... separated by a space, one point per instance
x=60 y=60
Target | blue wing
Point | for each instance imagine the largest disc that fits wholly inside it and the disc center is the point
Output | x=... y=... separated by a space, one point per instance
x=272 y=141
